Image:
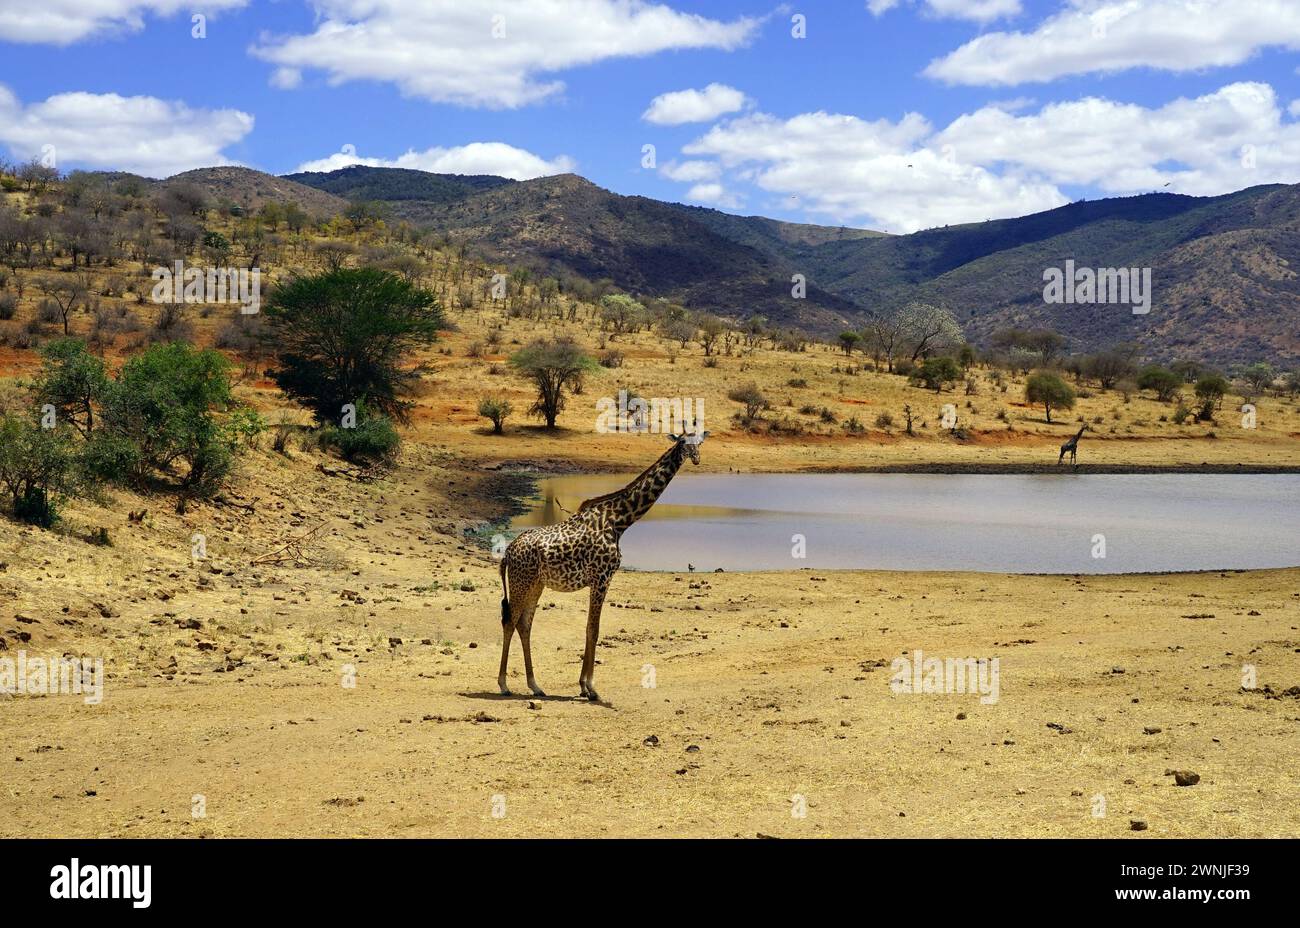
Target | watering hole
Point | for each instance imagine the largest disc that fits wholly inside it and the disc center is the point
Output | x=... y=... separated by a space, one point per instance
x=1027 y=523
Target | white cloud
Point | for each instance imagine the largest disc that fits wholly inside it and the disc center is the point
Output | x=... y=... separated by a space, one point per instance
x=498 y=54
x=1217 y=143
x=995 y=163
x=978 y=10
x=713 y=194
x=475 y=158
x=62 y=22
x=286 y=78
x=1094 y=36
x=1294 y=108
x=682 y=106
x=689 y=172
x=146 y=135
x=849 y=169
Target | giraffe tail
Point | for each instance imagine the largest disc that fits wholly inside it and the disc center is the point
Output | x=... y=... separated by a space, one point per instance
x=505 y=595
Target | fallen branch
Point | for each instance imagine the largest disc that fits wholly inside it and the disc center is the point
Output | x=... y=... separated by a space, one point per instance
x=291 y=551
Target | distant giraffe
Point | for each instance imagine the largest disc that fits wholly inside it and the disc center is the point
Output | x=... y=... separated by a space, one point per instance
x=582 y=551
x=1072 y=445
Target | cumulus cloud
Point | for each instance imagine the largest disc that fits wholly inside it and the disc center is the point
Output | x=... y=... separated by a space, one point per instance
x=713 y=194
x=683 y=106
x=848 y=169
x=690 y=172
x=62 y=22
x=978 y=10
x=146 y=135
x=1099 y=36
x=997 y=162
x=499 y=55
x=475 y=158
x=1233 y=138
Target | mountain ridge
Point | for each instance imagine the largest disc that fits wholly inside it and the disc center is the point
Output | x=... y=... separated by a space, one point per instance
x=1224 y=267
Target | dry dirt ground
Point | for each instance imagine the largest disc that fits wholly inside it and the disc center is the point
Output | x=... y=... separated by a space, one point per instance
x=226 y=710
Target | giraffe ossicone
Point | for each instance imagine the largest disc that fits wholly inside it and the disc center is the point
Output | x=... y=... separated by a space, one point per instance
x=582 y=551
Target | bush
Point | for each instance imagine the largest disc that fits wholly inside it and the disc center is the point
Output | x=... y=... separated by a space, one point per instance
x=73 y=381
x=750 y=397
x=936 y=373
x=38 y=469
x=164 y=403
x=1210 y=390
x=110 y=458
x=1165 y=383
x=373 y=438
x=884 y=421
x=496 y=409
x=8 y=306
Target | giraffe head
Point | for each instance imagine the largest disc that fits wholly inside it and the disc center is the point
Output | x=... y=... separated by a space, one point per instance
x=691 y=443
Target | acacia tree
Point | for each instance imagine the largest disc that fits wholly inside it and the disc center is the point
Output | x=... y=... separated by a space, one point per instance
x=66 y=290
x=710 y=329
x=73 y=381
x=929 y=328
x=1050 y=390
x=341 y=338
x=553 y=367
x=1210 y=390
x=885 y=335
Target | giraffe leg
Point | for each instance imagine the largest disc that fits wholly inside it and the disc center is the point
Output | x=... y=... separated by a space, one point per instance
x=507 y=632
x=524 y=623
x=594 y=606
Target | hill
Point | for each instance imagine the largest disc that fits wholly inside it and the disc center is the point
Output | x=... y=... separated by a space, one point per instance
x=1224 y=288
x=359 y=182
x=251 y=189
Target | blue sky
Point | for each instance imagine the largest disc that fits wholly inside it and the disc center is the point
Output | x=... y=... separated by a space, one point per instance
x=892 y=114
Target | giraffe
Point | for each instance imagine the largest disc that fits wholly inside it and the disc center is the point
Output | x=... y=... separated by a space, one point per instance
x=1072 y=445
x=582 y=551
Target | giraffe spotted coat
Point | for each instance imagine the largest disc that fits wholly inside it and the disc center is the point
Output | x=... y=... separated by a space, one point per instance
x=582 y=551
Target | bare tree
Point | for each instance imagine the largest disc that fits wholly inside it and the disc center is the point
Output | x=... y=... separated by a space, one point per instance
x=65 y=291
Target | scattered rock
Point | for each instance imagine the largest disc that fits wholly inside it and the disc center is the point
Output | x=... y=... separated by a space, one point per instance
x=1135 y=824
x=1186 y=778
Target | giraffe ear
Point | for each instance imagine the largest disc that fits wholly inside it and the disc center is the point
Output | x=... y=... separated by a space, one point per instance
x=674 y=438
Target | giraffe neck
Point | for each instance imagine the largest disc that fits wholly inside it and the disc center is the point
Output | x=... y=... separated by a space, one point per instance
x=632 y=502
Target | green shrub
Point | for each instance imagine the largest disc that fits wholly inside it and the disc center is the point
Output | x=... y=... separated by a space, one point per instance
x=110 y=458
x=936 y=373
x=1165 y=383
x=373 y=438
x=496 y=409
x=38 y=469
x=73 y=381
x=164 y=403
